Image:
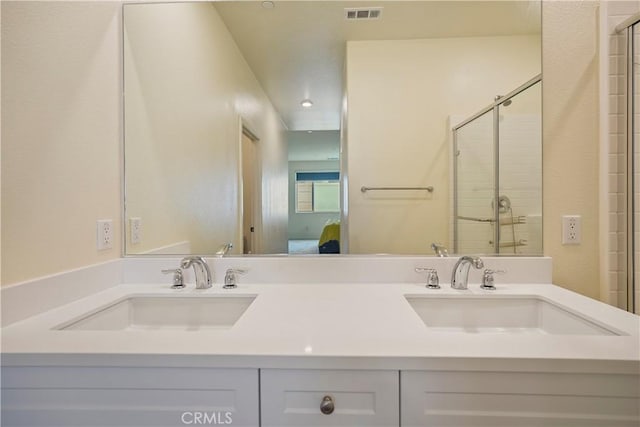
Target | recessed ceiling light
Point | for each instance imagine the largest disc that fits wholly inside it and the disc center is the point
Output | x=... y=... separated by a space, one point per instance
x=268 y=4
x=306 y=103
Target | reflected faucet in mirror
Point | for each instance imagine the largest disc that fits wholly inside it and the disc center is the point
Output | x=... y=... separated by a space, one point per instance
x=440 y=250
x=224 y=249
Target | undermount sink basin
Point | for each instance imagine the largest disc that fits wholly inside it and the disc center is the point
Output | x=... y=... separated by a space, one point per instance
x=507 y=314
x=164 y=313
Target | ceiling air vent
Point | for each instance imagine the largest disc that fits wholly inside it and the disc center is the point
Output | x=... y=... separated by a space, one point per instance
x=362 y=13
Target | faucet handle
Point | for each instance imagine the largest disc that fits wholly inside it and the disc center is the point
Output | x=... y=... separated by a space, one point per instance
x=178 y=282
x=488 y=279
x=433 y=282
x=230 y=277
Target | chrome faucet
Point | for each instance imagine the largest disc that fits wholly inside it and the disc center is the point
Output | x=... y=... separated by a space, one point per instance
x=201 y=270
x=440 y=250
x=460 y=274
x=224 y=249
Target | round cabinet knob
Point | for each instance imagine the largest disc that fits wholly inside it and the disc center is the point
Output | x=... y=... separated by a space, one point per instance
x=327 y=406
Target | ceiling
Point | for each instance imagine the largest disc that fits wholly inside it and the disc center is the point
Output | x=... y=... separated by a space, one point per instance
x=297 y=48
x=315 y=146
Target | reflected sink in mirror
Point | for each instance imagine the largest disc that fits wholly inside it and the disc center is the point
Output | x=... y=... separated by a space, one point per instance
x=151 y=313
x=506 y=314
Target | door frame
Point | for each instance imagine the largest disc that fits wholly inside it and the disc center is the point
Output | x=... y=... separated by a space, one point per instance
x=246 y=129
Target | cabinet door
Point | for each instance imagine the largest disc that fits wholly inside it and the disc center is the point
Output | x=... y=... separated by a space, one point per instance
x=114 y=397
x=523 y=399
x=348 y=398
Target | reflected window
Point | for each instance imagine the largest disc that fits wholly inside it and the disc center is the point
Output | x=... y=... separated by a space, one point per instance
x=317 y=192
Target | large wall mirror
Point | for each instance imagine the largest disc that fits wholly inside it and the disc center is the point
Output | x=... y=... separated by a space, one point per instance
x=274 y=127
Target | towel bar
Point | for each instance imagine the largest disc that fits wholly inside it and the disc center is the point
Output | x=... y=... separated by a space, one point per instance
x=503 y=221
x=365 y=189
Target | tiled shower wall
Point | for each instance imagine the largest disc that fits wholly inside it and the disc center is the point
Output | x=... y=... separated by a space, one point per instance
x=616 y=12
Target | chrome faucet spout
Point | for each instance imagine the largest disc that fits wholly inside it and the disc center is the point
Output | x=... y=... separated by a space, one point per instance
x=460 y=274
x=440 y=250
x=224 y=249
x=201 y=270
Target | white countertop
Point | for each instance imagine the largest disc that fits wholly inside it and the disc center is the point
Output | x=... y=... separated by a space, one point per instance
x=308 y=325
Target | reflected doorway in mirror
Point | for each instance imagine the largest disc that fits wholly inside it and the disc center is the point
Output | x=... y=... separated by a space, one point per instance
x=249 y=190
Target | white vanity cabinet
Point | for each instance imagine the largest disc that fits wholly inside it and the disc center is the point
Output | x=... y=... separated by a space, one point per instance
x=132 y=396
x=347 y=397
x=473 y=398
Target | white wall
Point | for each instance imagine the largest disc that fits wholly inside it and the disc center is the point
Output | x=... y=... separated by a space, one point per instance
x=317 y=145
x=187 y=85
x=400 y=95
x=60 y=135
x=570 y=140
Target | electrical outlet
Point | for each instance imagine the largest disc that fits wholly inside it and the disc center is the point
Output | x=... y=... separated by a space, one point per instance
x=135 y=230
x=104 y=238
x=571 y=229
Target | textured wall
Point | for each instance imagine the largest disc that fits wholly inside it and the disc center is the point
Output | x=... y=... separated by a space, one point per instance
x=570 y=140
x=60 y=135
x=187 y=85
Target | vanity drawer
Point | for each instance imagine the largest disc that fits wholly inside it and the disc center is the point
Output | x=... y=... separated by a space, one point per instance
x=350 y=398
x=136 y=396
x=523 y=399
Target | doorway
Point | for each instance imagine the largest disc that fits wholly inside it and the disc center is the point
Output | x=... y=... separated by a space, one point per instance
x=250 y=193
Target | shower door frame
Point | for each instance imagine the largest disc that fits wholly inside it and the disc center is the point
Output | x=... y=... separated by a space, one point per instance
x=495 y=107
x=630 y=172
x=629 y=301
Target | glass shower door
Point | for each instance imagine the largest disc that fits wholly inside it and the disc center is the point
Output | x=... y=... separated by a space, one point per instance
x=497 y=198
x=520 y=173
x=474 y=186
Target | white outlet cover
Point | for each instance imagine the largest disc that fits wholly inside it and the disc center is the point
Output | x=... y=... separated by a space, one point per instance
x=135 y=230
x=571 y=230
x=104 y=235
